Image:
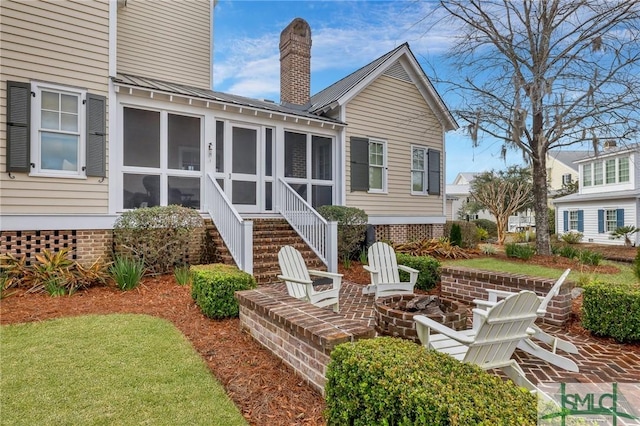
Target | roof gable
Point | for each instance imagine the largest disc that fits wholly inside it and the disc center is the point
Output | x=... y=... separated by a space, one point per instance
x=399 y=63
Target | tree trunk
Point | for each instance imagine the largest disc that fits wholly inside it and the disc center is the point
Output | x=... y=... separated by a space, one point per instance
x=501 y=229
x=540 y=205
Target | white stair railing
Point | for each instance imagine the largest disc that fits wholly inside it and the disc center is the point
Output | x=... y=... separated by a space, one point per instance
x=236 y=232
x=316 y=231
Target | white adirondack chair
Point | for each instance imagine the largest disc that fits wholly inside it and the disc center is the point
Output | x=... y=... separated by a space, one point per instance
x=528 y=345
x=384 y=270
x=492 y=342
x=299 y=285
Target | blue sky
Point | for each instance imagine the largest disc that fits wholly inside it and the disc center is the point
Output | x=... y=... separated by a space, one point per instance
x=346 y=35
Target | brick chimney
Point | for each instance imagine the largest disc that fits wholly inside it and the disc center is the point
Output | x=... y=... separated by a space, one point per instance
x=295 y=63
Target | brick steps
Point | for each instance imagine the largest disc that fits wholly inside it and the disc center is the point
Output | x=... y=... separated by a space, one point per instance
x=269 y=236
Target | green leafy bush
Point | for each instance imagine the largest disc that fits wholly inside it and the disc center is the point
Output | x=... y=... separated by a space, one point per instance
x=571 y=237
x=213 y=287
x=468 y=230
x=569 y=252
x=159 y=236
x=490 y=226
x=482 y=234
x=636 y=264
x=519 y=251
x=612 y=310
x=389 y=381
x=455 y=236
x=427 y=265
x=127 y=272
x=352 y=228
x=588 y=257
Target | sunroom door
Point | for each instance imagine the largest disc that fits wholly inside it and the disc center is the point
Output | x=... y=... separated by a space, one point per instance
x=243 y=156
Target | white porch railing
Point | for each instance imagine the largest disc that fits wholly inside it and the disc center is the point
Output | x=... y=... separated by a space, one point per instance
x=316 y=231
x=236 y=232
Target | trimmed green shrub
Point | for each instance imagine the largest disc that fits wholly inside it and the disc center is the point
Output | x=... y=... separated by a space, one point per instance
x=213 y=287
x=636 y=264
x=390 y=381
x=427 y=265
x=571 y=237
x=490 y=226
x=127 y=272
x=352 y=228
x=160 y=236
x=455 y=237
x=519 y=251
x=612 y=310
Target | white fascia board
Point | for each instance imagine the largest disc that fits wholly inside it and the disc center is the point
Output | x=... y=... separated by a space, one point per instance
x=406 y=220
x=43 y=222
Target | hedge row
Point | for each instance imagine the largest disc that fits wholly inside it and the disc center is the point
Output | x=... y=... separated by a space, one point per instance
x=612 y=310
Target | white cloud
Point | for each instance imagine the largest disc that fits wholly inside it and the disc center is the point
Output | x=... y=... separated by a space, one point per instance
x=350 y=35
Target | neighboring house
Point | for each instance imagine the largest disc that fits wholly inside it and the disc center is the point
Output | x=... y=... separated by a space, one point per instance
x=562 y=169
x=608 y=196
x=458 y=196
x=107 y=110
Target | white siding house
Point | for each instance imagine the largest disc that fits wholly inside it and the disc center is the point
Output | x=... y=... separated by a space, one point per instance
x=607 y=199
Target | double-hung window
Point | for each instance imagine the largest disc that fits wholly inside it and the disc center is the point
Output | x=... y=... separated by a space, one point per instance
x=377 y=166
x=611 y=220
x=586 y=175
x=623 y=169
x=573 y=220
x=597 y=173
x=418 y=170
x=59 y=129
x=611 y=170
x=55 y=130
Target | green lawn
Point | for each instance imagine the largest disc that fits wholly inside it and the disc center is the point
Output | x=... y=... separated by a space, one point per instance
x=107 y=370
x=498 y=265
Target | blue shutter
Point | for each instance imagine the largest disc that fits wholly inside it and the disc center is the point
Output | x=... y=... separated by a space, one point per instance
x=620 y=218
x=600 y=221
x=565 y=217
x=580 y=220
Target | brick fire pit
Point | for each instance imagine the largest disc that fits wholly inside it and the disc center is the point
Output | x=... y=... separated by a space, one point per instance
x=393 y=320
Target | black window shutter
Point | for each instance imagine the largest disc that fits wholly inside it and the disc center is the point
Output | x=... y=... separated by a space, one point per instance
x=359 y=164
x=96 y=135
x=434 y=171
x=18 y=120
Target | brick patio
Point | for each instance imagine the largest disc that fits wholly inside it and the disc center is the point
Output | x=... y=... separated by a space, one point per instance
x=598 y=361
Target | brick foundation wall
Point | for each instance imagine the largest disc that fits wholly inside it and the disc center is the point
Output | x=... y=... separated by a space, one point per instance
x=465 y=284
x=86 y=245
x=300 y=334
x=407 y=233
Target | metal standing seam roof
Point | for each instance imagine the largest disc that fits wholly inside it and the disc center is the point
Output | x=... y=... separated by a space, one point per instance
x=210 y=95
x=327 y=96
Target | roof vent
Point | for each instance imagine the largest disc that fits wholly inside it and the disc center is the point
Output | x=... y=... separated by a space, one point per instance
x=608 y=144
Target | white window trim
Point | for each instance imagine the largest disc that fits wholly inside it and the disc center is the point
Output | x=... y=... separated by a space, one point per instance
x=38 y=88
x=425 y=170
x=384 y=166
x=606 y=221
x=577 y=222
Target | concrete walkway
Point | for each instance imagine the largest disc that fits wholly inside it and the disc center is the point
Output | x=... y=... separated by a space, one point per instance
x=599 y=360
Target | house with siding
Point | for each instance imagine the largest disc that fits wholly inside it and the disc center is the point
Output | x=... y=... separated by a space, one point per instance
x=607 y=199
x=107 y=106
x=562 y=169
